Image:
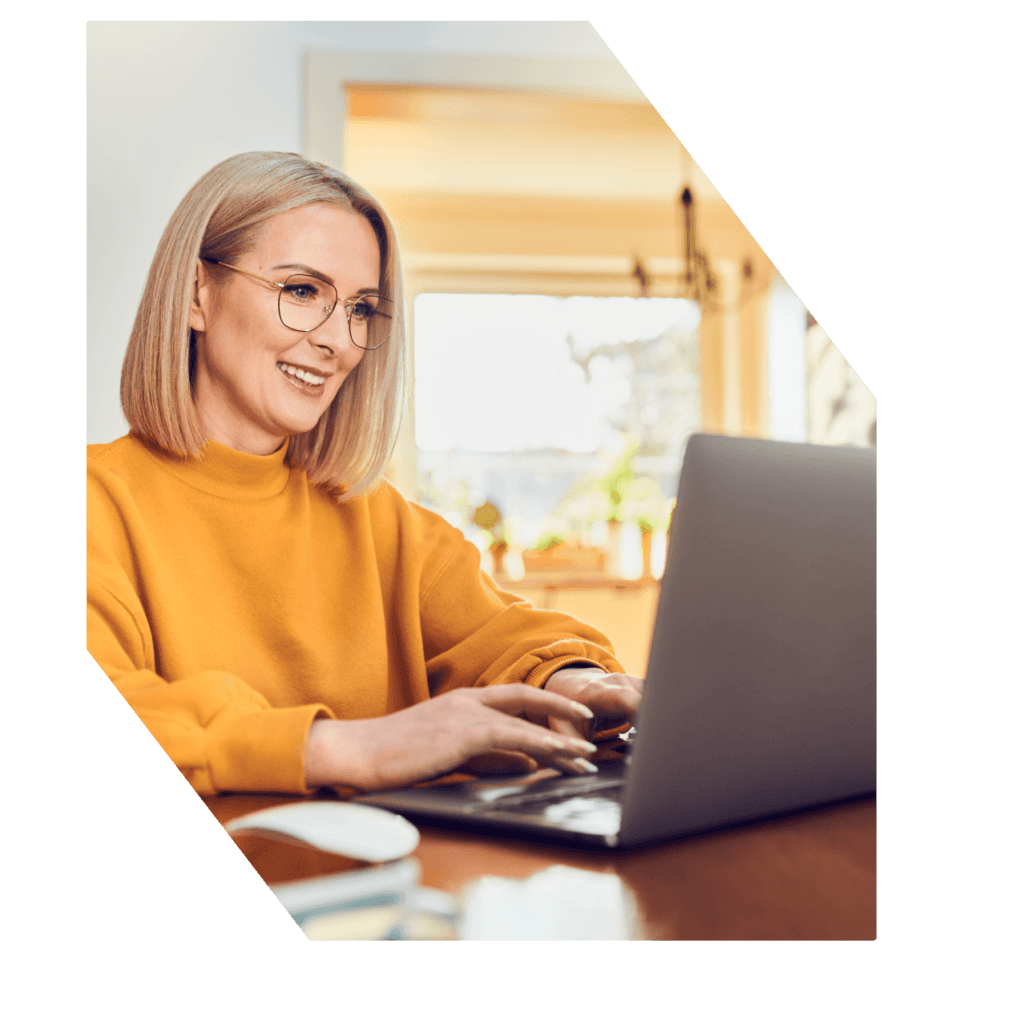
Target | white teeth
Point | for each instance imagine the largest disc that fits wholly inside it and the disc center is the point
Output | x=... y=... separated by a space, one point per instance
x=309 y=378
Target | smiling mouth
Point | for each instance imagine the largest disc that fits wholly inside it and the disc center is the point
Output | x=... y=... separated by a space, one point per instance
x=305 y=380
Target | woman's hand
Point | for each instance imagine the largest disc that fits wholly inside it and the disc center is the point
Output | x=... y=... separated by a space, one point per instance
x=443 y=733
x=613 y=697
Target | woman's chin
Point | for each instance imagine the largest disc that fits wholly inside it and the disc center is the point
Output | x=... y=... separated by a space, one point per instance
x=300 y=421
x=293 y=428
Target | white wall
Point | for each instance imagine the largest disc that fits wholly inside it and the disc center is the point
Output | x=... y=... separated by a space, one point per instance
x=168 y=100
x=787 y=364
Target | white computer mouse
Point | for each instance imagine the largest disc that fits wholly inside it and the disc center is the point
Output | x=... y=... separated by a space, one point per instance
x=353 y=830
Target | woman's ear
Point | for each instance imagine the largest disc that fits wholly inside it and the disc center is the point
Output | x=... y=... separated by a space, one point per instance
x=199 y=306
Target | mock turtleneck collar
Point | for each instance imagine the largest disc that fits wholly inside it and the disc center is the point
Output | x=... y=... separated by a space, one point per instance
x=229 y=473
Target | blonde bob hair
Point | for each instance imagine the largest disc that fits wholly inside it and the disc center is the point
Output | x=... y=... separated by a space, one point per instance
x=220 y=219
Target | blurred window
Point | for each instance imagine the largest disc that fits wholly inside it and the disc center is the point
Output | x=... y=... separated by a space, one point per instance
x=522 y=399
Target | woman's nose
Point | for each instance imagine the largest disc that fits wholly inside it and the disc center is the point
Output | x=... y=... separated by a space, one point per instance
x=327 y=347
x=332 y=336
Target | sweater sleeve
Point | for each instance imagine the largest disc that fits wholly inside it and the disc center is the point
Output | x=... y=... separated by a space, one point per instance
x=221 y=733
x=476 y=634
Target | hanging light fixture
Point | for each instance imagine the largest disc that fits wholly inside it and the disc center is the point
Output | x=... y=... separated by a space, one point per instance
x=643 y=278
x=698 y=283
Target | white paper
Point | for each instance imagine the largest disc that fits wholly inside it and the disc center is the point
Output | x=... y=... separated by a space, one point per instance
x=557 y=903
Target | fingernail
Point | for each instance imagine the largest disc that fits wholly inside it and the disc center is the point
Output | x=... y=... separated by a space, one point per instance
x=584 y=745
x=584 y=765
x=583 y=709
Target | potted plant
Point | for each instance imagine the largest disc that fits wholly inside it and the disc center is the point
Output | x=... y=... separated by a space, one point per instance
x=488 y=518
x=621 y=496
x=555 y=552
x=651 y=511
x=606 y=497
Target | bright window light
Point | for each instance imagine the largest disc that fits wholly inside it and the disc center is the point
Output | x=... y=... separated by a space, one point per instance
x=494 y=373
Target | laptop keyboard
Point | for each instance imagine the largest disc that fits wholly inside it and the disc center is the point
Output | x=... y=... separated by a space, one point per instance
x=570 y=788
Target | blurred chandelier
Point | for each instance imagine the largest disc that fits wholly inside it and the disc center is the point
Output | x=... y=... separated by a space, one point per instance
x=698 y=281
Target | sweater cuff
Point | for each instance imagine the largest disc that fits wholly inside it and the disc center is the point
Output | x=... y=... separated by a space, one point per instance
x=262 y=751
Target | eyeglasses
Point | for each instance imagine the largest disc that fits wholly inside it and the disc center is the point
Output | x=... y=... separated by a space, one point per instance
x=304 y=303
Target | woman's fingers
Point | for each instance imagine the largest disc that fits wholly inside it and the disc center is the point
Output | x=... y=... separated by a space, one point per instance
x=547 y=744
x=567 y=728
x=567 y=751
x=520 y=699
x=437 y=735
x=499 y=762
x=480 y=721
x=612 y=696
x=573 y=766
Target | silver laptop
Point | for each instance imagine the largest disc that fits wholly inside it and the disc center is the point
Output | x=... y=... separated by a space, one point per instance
x=760 y=689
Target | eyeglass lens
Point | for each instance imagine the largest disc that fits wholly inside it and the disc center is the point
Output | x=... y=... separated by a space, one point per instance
x=306 y=302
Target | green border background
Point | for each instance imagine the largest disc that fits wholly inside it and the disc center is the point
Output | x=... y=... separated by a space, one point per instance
x=843 y=138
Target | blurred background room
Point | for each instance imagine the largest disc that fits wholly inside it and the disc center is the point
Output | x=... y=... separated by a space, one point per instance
x=581 y=298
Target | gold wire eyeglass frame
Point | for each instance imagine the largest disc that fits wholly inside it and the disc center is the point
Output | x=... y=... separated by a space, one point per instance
x=347 y=304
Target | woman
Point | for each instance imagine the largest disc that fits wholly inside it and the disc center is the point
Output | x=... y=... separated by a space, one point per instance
x=279 y=617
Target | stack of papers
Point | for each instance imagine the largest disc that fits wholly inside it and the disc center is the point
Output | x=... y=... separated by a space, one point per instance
x=387 y=902
x=557 y=903
x=383 y=902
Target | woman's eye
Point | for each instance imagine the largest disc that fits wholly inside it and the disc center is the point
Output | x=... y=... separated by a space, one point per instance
x=362 y=309
x=302 y=292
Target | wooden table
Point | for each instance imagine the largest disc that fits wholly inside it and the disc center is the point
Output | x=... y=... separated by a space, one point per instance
x=808 y=876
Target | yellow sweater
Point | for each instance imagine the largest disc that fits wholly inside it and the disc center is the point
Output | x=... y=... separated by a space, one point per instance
x=232 y=603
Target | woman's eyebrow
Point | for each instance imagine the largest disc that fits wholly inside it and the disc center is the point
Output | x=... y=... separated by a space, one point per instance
x=303 y=269
x=310 y=272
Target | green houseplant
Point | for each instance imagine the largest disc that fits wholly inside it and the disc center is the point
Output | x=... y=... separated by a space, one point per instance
x=617 y=496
